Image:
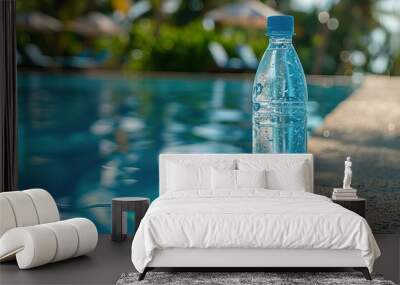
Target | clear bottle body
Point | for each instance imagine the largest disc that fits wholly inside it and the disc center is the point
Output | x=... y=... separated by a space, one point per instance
x=280 y=100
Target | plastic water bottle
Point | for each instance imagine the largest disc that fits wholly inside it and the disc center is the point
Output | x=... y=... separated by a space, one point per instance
x=280 y=94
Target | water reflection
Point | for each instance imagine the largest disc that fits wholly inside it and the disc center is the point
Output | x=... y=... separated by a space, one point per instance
x=87 y=139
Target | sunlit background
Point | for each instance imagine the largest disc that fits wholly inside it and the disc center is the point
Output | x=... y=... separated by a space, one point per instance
x=105 y=86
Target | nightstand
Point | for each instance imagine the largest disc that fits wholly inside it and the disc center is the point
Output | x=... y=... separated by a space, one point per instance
x=358 y=205
x=120 y=206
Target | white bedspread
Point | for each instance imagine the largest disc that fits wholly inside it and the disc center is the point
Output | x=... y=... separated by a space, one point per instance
x=250 y=219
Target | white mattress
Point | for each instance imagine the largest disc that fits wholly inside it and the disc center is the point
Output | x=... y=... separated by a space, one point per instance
x=253 y=219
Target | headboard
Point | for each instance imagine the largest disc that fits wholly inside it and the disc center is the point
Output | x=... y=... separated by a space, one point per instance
x=164 y=158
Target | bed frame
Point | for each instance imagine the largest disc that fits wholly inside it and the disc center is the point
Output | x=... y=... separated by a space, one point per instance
x=245 y=259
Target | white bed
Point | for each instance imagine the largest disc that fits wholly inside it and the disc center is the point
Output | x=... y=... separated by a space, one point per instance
x=248 y=227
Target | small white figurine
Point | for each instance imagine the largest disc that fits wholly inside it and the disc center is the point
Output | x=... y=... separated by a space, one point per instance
x=347 y=173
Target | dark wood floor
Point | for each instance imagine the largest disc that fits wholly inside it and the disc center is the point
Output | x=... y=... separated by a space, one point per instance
x=103 y=266
x=110 y=260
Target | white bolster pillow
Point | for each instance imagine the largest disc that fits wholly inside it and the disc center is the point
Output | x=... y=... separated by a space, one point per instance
x=22 y=207
x=87 y=235
x=67 y=240
x=7 y=218
x=26 y=208
x=45 y=205
x=40 y=244
x=33 y=246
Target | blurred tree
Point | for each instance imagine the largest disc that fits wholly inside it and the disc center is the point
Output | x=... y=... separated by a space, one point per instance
x=336 y=41
x=158 y=16
x=188 y=11
x=395 y=65
x=62 y=43
x=191 y=10
x=356 y=21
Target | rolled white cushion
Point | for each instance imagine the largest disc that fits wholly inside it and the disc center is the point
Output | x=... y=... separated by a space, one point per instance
x=67 y=240
x=45 y=205
x=33 y=246
x=23 y=208
x=37 y=245
x=7 y=218
x=87 y=235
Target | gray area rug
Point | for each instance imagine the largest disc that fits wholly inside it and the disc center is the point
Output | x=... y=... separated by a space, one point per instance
x=269 y=278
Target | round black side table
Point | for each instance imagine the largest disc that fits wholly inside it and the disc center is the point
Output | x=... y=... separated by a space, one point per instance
x=120 y=206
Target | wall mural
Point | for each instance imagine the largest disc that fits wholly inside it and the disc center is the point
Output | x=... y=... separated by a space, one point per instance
x=359 y=128
x=87 y=149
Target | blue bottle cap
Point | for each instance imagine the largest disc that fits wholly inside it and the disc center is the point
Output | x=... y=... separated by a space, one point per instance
x=280 y=25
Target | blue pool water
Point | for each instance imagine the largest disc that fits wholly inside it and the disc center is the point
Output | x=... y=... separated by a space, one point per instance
x=87 y=139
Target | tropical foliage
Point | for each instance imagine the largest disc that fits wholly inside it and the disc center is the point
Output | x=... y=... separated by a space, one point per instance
x=338 y=41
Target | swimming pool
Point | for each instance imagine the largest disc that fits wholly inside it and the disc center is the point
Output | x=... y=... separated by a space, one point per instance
x=89 y=138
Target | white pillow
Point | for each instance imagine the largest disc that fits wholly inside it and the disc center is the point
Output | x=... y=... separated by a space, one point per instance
x=290 y=178
x=226 y=179
x=251 y=178
x=181 y=178
x=286 y=174
x=223 y=179
x=185 y=175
